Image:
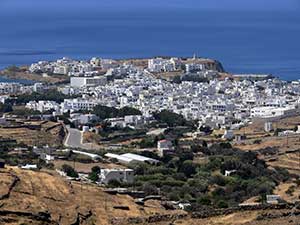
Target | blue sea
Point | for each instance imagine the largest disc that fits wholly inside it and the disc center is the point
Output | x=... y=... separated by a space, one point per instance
x=244 y=41
x=21 y=81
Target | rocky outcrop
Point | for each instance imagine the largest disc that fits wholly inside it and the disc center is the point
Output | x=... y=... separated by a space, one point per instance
x=82 y=218
x=43 y=217
x=219 y=67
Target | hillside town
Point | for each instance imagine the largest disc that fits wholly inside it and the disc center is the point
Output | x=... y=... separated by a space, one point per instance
x=180 y=131
x=228 y=103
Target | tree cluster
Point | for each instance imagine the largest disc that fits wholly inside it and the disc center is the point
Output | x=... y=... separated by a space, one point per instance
x=50 y=95
x=69 y=170
x=181 y=178
x=105 y=112
x=170 y=118
x=4 y=108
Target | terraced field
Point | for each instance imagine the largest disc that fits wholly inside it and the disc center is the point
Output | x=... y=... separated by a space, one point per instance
x=50 y=133
x=289 y=161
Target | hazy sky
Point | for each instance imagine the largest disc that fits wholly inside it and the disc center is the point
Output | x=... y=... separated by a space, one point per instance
x=144 y=4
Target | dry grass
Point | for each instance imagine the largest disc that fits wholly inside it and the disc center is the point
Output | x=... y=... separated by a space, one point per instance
x=282 y=191
x=255 y=131
x=240 y=218
x=289 y=161
x=142 y=63
x=90 y=137
x=85 y=167
x=282 y=143
x=68 y=202
x=48 y=134
x=47 y=192
x=257 y=127
x=34 y=77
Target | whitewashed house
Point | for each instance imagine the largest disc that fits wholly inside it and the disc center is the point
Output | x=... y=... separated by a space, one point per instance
x=121 y=175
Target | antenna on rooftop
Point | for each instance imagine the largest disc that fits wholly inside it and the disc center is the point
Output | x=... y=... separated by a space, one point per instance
x=194 y=56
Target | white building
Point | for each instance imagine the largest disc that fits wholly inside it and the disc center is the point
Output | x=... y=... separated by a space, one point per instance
x=228 y=135
x=162 y=65
x=228 y=173
x=3 y=98
x=164 y=147
x=78 y=104
x=83 y=119
x=38 y=87
x=43 y=106
x=61 y=69
x=130 y=158
x=193 y=67
x=108 y=63
x=121 y=175
x=88 y=81
x=269 y=112
x=273 y=199
x=29 y=167
x=134 y=119
x=47 y=157
x=268 y=126
x=95 y=62
x=94 y=157
x=117 y=122
x=10 y=88
x=85 y=129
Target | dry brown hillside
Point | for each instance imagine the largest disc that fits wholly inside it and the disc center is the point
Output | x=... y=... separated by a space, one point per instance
x=28 y=197
x=38 y=198
x=44 y=133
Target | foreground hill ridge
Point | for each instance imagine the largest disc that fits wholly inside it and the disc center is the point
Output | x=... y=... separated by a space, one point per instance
x=29 y=197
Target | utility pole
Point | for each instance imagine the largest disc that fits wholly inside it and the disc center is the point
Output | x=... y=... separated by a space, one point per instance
x=74 y=164
x=81 y=193
x=105 y=204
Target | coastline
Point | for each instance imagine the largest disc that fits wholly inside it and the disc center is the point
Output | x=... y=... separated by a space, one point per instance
x=22 y=72
x=25 y=75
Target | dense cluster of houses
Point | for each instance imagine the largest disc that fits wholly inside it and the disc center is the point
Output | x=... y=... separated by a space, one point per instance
x=189 y=65
x=164 y=65
x=76 y=68
x=64 y=66
x=15 y=88
x=217 y=103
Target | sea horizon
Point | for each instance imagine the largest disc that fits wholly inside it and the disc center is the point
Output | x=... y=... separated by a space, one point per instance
x=243 y=41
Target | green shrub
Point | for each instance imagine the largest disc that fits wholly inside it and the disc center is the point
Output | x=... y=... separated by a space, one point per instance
x=150 y=189
x=188 y=168
x=69 y=170
x=105 y=112
x=170 y=118
x=218 y=179
x=204 y=200
x=222 y=204
x=4 y=108
x=114 y=183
